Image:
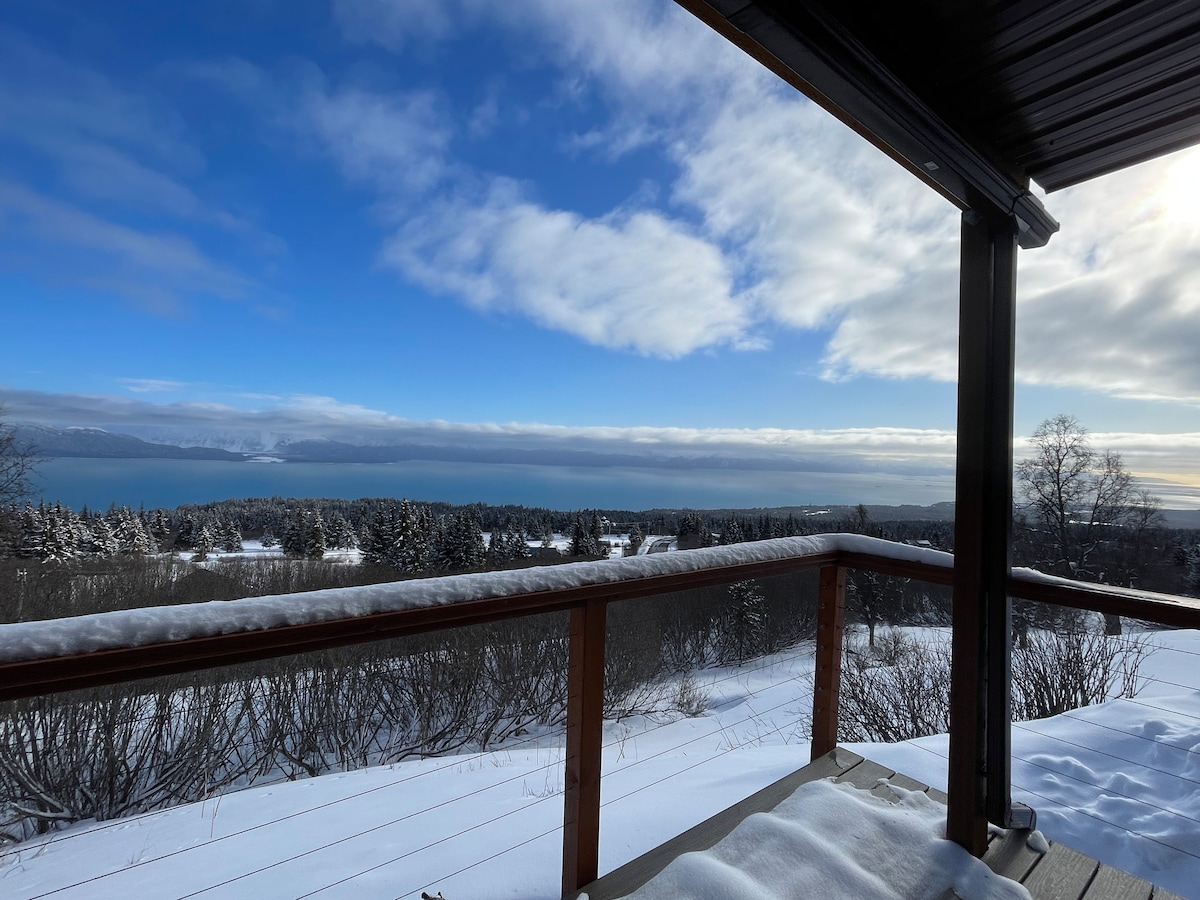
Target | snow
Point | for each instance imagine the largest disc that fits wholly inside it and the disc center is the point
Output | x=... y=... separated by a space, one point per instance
x=140 y=627
x=1096 y=775
x=838 y=841
x=488 y=824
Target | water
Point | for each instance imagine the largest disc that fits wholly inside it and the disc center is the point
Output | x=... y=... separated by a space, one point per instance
x=168 y=483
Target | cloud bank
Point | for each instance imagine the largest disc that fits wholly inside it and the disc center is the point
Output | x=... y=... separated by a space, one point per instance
x=273 y=421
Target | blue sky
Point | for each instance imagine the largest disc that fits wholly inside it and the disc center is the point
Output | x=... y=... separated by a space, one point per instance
x=537 y=217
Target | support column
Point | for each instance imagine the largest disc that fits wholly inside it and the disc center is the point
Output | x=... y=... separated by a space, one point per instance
x=980 y=704
x=585 y=721
x=827 y=677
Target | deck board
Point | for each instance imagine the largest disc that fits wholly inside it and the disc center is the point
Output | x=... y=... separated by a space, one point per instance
x=1060 y=874
x=1113 y=884
x=1010 y=856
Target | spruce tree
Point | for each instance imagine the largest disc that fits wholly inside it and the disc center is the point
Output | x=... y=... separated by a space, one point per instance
x=60 y=540
x=130 y=532
x=314 y=535
x=744 y=634
x=103 y=541
x=203 y=544
x=636 y=539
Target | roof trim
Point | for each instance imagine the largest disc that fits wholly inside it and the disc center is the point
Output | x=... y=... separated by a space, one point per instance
x=818 y=57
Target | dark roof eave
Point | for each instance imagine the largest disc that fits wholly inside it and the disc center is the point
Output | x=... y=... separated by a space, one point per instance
x=814 y=54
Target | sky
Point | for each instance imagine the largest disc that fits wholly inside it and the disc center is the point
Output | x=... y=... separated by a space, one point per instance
x=598 y=220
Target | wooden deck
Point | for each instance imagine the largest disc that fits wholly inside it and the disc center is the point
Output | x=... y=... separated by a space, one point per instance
x=1060 y=874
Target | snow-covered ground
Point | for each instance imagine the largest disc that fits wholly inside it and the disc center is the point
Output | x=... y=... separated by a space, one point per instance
x=1120 y=782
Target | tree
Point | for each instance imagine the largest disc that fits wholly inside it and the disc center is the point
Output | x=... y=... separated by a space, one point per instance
x=1084 y=509
x=636 y=539
x=582 y=541
x=1191 y=581
x=203 y=544
x=130 y=532
x=743 y=635
x=18 y=462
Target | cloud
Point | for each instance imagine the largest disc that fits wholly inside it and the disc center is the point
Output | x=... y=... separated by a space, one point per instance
x=104 y=151
x=395 y=24
x=392 y=141
x=773 y=205
x=300 y=417
x=629 y=280
x=152 y=385
x=174 y=260
x=49 y=100
x=806 y=224
x=1165 y=460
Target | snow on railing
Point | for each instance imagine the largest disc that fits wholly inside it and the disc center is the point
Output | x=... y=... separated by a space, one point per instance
x=131 y=628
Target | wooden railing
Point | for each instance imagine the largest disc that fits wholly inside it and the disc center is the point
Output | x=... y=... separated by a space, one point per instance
x=49 y=657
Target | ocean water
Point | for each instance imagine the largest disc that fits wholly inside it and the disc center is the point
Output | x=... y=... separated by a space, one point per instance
x=98 y=483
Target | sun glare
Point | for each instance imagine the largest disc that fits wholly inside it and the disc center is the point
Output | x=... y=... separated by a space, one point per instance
x=1181 y=187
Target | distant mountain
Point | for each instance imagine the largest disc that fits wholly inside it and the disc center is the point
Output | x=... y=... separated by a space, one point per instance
x=95 y=443
x=340 y=452
x=216 y=444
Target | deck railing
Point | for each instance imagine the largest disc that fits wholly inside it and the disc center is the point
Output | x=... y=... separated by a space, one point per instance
x=40 y=658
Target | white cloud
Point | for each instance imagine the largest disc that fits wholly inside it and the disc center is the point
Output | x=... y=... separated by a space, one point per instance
x=391 y=141
x=1167 y=460
x=816 y=229
x=173 y=261
x=152 y=385
x=816 y=218
x=47 y=99
x=394 y=23
x=631 y=280
x=105 y=150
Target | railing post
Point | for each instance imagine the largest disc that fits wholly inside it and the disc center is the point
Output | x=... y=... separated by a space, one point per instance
x=585 y=714
x=827 y=679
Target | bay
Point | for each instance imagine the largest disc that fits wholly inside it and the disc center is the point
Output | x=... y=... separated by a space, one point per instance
x=169 y=482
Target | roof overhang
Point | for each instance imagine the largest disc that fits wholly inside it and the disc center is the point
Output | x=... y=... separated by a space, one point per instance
x=975 y=99
x=813 y=53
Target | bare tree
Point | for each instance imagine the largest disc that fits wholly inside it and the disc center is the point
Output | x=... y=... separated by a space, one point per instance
x=17 y=463
x=1085 y=510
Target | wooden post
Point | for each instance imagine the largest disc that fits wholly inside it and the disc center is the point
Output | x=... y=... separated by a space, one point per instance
x=979 y=691
x=585 y=714
x=827 y=679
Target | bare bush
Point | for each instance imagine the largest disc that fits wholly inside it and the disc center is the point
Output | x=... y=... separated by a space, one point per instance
x=1053 y=672
x=894 y=691
x=900 y=688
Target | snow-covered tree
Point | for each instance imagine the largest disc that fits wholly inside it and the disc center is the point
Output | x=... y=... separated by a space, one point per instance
x=60 y=539
x=33 y=530
x=583 y=542
x=229 y=537
x=103 y=541
x=731 y=533
x=130 y=531
x=636 y=539
x=515 y=544
x=203 y=544
x=461 y=546
x=314 y=538
x=341 y=533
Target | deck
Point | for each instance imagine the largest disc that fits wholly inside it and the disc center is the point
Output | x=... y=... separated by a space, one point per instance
x=1059 y=874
